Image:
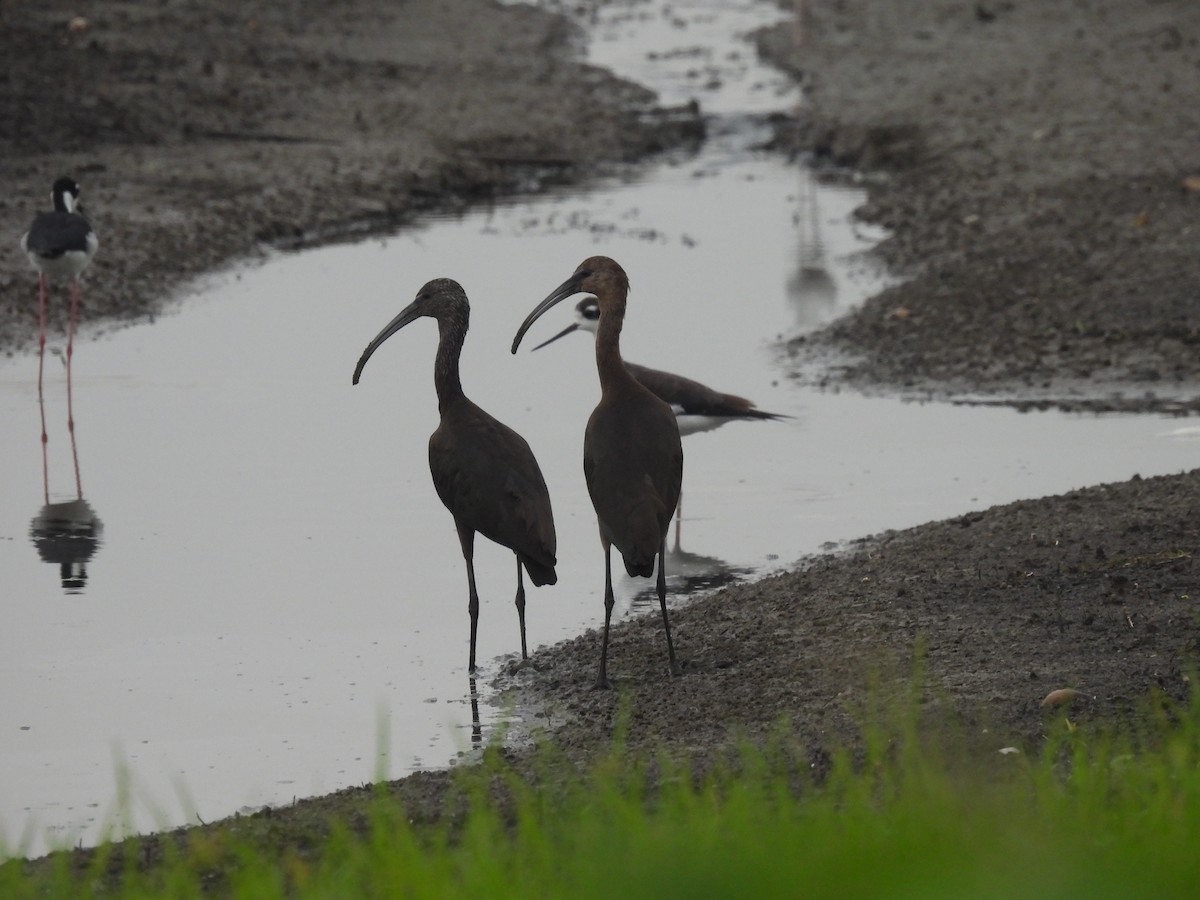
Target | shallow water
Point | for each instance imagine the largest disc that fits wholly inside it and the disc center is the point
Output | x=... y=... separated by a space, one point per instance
x=275 y=602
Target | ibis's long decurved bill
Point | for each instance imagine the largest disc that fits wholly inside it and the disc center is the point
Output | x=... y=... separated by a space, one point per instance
x=562 y=292
x=409 y=314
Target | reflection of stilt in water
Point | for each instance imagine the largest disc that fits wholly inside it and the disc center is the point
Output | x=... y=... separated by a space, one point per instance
x=811 y=289
x=68 y=532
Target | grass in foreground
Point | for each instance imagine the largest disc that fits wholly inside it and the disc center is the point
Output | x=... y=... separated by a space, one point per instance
x=1098 y=815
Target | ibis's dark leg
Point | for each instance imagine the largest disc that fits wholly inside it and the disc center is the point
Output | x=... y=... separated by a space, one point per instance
x=521 y=607
x=466 y=537
x=602 y=681
x=662 y=602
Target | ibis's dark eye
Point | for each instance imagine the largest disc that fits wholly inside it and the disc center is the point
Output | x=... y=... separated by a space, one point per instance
x=591 y=312
x=585 y=274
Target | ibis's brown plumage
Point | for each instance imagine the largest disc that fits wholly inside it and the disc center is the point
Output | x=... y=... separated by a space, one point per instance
x=632 y=456
x=484 y=472
x=697 y=407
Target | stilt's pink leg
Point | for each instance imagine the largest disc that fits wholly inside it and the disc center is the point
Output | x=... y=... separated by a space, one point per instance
x=45 y=461
x=70 y=403
x=41 y=335
x=71 y=349
x=41 y=396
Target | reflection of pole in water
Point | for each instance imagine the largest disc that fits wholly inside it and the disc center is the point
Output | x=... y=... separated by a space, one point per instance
x=811 y=288
x=65 y=533
x=476 y=727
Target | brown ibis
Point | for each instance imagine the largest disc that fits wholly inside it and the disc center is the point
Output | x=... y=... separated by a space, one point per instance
x=632 y=455
x=60 y=243
x=697 y=407
x=483 y=471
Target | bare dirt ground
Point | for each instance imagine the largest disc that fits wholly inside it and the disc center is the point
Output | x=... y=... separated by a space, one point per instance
x=1039 y=168
x=1030 y=158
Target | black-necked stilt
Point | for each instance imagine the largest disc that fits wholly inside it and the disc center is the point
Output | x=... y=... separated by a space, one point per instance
x=60 y=244
x=696 y=406
x=632 y=455
x=484 y=472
